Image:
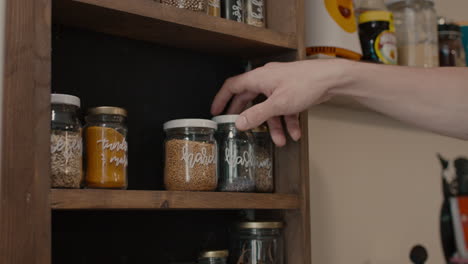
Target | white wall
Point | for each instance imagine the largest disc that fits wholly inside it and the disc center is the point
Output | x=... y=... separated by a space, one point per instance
x=375 y=187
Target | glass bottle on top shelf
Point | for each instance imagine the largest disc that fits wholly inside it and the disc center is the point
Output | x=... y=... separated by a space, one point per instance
x=191 y=155
x=66 y=151
x=236 y=156
x=194 y=5
x=255 y=13
x=233 y=10
x=416 y=31
x=106 y=148
x=451 y=50
x=213 y=8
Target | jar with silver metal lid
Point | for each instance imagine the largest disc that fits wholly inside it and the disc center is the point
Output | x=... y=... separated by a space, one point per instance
x=213 y=257
x=257 y=242
x=236 y=156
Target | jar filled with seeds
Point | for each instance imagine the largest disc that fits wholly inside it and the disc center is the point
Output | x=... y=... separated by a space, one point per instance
x=257 y=242
x=194 y=5
x=264 y=149
x=106 y=148
x=66 y=142
x=236 y=156
x=213 y=257
x=190 y=155
x=255 y=12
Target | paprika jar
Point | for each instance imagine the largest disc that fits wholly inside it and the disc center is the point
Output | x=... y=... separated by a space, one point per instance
x=66 y=149
x=106 y=148
x=236 y=156
x=213 y=257
x=190 y=155
x=257 y=242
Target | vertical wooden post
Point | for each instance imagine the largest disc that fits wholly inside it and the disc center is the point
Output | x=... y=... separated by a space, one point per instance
x=25 y=233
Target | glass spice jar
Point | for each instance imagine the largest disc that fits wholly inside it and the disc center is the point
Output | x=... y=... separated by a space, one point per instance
x=233 y=10
x=255 y=13
x=106 y=148
x=66 y=150
x=213 y=257
x=190 y=155
x=236 y=156
x=194 y=5
x=451 y=50
x=257 y=242
x=213 y=8
x=264 y=149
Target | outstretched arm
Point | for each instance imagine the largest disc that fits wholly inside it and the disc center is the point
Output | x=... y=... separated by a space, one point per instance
x=434 y=99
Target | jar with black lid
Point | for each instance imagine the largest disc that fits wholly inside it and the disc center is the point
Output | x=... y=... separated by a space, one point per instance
x=451 y=50
x=377 y=35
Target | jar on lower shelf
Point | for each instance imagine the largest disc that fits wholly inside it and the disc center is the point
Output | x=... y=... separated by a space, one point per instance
x=194 y=5
x=257 y=242
x=213 y=257
x=106 y=148
x=190 y=155
x=236 y=156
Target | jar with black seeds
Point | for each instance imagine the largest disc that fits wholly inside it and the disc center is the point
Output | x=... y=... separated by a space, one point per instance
x=194 y=5
x=236 y=156
x=233 y=10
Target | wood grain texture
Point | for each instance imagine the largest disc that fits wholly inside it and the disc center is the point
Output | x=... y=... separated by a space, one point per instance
x=24 y=182
x=154 y=200
x=151 y=21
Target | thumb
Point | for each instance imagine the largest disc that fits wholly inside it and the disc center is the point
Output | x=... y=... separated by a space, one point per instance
x=255 y=115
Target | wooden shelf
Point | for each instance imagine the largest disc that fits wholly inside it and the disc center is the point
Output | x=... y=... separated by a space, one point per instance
x=62 y=199
x=151 y=21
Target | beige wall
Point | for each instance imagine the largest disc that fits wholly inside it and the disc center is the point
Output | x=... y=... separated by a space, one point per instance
x=453 y=9
x=375 y=187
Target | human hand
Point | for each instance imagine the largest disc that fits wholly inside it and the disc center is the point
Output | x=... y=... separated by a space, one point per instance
x=290 y=88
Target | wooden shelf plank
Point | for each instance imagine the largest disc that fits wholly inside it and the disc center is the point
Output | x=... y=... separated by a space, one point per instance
x=151 y=21
x=65 y=199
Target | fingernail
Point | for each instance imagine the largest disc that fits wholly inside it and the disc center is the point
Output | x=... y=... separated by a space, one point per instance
x=241 y=123
x=296 y=135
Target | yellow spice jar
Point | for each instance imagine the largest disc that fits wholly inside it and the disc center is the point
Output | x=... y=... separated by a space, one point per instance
x=106 y=148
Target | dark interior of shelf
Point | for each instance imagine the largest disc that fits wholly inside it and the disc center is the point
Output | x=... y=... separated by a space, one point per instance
x=155 y=84
x=133 y=237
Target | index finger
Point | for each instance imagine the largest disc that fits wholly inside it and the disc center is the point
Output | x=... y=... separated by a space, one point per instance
x=232 y=86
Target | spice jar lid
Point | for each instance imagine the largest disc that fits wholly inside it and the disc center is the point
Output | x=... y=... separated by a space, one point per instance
x=178 y=123
x=377 y=15
x=260 y=129
x=260 y=225
x=223 y=119
x=215 y=254
x=65 y=99
x=107 y=110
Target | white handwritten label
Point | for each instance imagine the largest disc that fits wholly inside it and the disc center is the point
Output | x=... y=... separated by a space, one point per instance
x=68 y=146
x=264 y=164
x=201 y=157
x=257 y=9
x=237 y=10
x=233 y=159
x=114 y=147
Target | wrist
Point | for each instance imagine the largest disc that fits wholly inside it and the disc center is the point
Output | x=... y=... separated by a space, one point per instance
x=346 y=75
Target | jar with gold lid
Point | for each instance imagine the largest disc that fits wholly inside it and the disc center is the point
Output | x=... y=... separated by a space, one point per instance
x=213 y=257
x=106 y=148
x=257 y=242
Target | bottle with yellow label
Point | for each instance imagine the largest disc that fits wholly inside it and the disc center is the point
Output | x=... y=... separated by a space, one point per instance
x=106 y=148
x=377 y=35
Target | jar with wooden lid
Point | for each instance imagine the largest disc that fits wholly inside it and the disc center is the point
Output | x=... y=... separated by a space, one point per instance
x=213 y=257
x=236 y=156
x=106 y=148
x=190 y=155
x=66 y=150
x=264 y=157
x=257 y=242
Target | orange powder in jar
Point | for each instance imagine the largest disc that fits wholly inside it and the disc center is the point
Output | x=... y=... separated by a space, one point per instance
x=106 y=151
